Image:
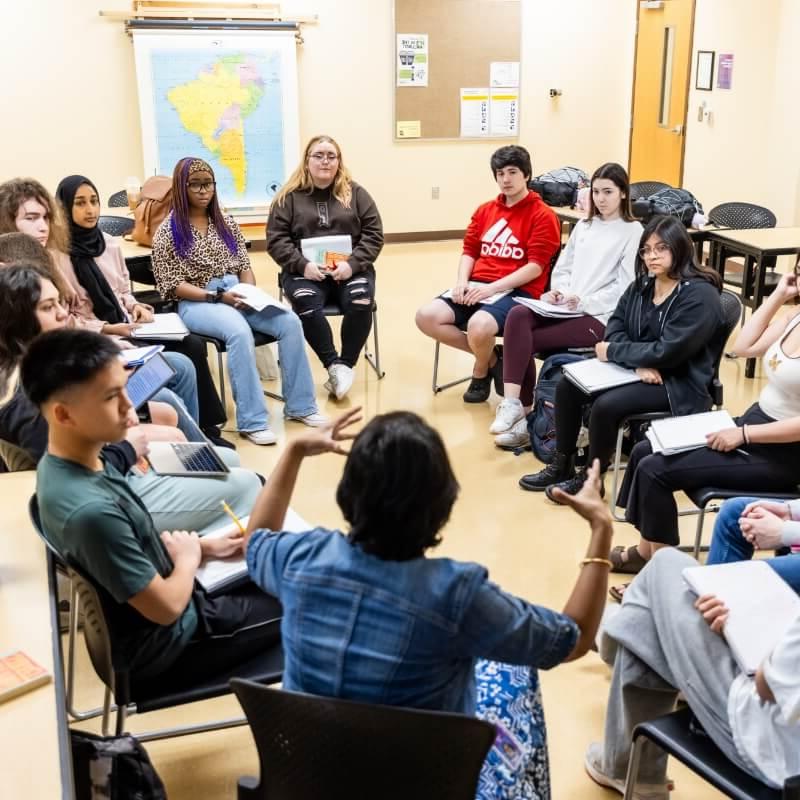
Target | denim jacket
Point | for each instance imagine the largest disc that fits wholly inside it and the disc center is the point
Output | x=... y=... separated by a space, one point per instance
x=398 y=633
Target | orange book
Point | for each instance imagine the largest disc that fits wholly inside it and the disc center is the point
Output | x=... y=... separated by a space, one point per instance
x=331 y=258
x=19 y=673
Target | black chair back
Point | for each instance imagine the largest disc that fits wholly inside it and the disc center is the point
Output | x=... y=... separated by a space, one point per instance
x=742 y=216
x=731 y=314
x=311 y=747
x=640 y=189
x=118 y=199
x=115 y=226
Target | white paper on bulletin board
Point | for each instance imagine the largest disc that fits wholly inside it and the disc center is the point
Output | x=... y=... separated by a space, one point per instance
x=412 y=59
x=504 y=73
x=474 y=112
x=503 y=111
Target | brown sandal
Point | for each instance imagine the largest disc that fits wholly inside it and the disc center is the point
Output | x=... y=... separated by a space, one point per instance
x=626 y=560
x=617 y=592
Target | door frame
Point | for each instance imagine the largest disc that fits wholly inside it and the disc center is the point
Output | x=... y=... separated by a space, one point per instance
x=687 y=89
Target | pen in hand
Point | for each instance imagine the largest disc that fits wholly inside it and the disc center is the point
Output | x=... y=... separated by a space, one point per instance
x=229 y=511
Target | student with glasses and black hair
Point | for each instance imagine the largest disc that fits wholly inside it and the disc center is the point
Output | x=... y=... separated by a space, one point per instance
x=666 y=326
x=320 y=199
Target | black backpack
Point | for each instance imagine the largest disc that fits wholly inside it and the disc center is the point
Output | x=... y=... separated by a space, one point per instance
x=542 y=419
x=668 y=202
x=559 y=187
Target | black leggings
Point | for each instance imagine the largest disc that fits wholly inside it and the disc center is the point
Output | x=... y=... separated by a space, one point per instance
x=608 y=410
x=308 y=298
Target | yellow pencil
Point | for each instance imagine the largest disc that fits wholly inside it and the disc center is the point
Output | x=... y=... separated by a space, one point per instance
x=229 y=511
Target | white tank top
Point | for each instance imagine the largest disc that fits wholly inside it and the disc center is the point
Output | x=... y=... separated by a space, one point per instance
x=780 y=398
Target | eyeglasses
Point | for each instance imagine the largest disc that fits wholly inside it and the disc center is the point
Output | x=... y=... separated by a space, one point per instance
x=320 y=157
x=206 y=186
x=657 y=251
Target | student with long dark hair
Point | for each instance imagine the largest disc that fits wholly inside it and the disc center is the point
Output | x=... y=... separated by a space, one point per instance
x=369 y=616
x=592 y=272
x=666 y=326
x=199 y=255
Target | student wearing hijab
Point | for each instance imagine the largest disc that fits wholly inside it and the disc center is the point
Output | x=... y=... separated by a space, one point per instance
x=96 y=269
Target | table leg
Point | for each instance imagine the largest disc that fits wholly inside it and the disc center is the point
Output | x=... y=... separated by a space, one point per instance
x=758 y=296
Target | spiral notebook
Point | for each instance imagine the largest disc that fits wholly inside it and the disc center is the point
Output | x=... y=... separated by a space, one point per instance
x=592 y=375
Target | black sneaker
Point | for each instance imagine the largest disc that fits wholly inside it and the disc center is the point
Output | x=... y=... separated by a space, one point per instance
x=559 y=469
x=214 y=435
x=573 y=485
x=479 y=390
x=496 y=371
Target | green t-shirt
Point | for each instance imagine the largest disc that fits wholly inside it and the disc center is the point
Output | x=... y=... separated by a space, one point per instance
x=97 y=520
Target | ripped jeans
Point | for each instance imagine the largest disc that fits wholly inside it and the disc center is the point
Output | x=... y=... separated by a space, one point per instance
x=354 y=297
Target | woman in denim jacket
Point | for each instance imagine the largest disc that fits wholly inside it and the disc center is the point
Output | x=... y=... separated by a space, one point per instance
x=367 y=616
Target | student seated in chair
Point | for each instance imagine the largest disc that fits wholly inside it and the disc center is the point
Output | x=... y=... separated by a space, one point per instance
x=159 y=617
x=666 y=640
x=508 y=248
x=370 y=617
x=30 y=305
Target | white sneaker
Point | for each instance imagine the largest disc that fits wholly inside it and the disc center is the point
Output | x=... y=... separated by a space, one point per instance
x=340 y=380
x=593 y=763
x=263 y=437
x=517 y=436
x=509 y=412
x=314 y=420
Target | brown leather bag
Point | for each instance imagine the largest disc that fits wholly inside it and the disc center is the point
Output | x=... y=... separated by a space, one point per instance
x=152 y=209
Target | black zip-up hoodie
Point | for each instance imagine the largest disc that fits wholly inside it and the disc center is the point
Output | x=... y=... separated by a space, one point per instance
x=691 y=331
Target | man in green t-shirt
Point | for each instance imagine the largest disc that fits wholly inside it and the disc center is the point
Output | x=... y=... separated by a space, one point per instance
x=158 y=616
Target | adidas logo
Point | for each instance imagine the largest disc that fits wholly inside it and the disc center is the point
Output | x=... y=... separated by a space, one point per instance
x=499 y=241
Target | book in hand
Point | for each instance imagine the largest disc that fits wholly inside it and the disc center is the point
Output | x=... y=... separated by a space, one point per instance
x=254 y=297
x=761 y=605
x=217 y=575
x=137 y=356
x=592 y=375
x=327 y=250
x=169 y=327
x=487 y=301
x=19 y=673
x=680 y=434
x=547 y=309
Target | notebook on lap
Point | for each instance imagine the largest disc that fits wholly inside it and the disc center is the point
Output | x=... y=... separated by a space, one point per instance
x=186 y=459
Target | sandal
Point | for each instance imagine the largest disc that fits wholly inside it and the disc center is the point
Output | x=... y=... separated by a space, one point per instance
x=617 y=592
x=626 y=560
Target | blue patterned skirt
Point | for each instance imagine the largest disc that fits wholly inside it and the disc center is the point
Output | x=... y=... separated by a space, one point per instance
x=517 y=766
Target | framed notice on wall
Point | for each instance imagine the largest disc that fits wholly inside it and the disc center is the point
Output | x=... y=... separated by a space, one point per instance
x=704 y=74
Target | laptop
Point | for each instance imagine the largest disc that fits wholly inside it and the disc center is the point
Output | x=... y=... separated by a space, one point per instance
x=186 y=459
x=145 y=381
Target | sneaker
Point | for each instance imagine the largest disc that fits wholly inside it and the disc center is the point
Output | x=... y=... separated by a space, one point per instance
x=340 y=380
x=560 y=469
x=263 y=437
x=478 y=390
x=516 y=436
x=496 y=371
x=573 y=485
x=593 y=762
x=314 y=420
x=508 y=414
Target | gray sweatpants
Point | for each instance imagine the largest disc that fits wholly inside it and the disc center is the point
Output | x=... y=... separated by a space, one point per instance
x=660 y=645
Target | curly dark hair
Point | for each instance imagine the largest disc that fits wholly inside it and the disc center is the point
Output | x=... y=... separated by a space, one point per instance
x=398 y=487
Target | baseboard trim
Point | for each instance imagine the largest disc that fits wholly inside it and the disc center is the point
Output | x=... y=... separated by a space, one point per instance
x=423 y=236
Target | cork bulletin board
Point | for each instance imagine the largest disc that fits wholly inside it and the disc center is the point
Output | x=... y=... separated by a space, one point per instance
x=468 y=44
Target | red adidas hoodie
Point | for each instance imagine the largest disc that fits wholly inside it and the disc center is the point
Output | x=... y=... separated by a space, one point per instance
x=503 y=239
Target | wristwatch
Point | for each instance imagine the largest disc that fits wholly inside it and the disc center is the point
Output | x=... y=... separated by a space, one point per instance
x=215 y=297
x=220 y=292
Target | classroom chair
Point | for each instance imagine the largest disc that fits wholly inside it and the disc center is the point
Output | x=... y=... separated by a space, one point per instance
x=118 y=199
x=169 y=689
x=115 y=226
x=680 y=735
x=640 y=189
x=731 y=311
x=311 y=747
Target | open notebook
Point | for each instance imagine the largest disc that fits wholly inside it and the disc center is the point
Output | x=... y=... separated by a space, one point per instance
x=164 y=326
x=592 y=375
x=218 y=574
x=680 y=434
x=762 y=606
x=547 y=309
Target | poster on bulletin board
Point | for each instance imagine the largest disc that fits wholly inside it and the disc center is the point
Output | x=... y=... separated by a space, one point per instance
x=412 y=59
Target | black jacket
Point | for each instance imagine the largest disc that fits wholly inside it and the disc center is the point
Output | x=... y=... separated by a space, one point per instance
x=685 y=352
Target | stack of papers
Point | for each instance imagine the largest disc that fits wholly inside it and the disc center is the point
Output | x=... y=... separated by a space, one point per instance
x=681 y=434
x=136 y=356
x=254 y=297
x=218 y=574
x=169 y=327
x=592 y=375
x=326 y=250
x=762 y=607
x=547 y=309
x=490 y=300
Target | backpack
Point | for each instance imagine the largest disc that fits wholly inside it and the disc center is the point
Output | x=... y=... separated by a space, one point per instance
x=559 y=187
x=668 y=202
x=113 y=768
x=542 y=419
x=152 y=208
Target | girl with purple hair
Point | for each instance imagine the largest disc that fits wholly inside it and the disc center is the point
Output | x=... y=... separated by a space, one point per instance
x=199 y=255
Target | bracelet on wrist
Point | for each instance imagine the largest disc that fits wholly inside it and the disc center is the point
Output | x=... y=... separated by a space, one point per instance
x=605 y=561
x=745 y=437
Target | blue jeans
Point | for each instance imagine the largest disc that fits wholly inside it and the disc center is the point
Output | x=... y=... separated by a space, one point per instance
x=184 y=382
x=186 y=425
x=728 y=544
x=236 y=329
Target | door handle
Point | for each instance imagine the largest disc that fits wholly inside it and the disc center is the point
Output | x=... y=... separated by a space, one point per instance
x=677 y=129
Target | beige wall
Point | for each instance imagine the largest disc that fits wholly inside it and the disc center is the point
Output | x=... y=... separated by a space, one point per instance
x=70 y=81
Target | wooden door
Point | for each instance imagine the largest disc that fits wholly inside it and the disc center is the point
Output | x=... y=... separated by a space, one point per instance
x=661 y=90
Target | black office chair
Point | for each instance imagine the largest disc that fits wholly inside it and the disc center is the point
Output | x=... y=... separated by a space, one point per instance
x=681 y=736
x=118 y=199
x=132 y=696
x=741 y=216
x=731 y=311
x=311 y=747
x=115 y=226
x=640 y=189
